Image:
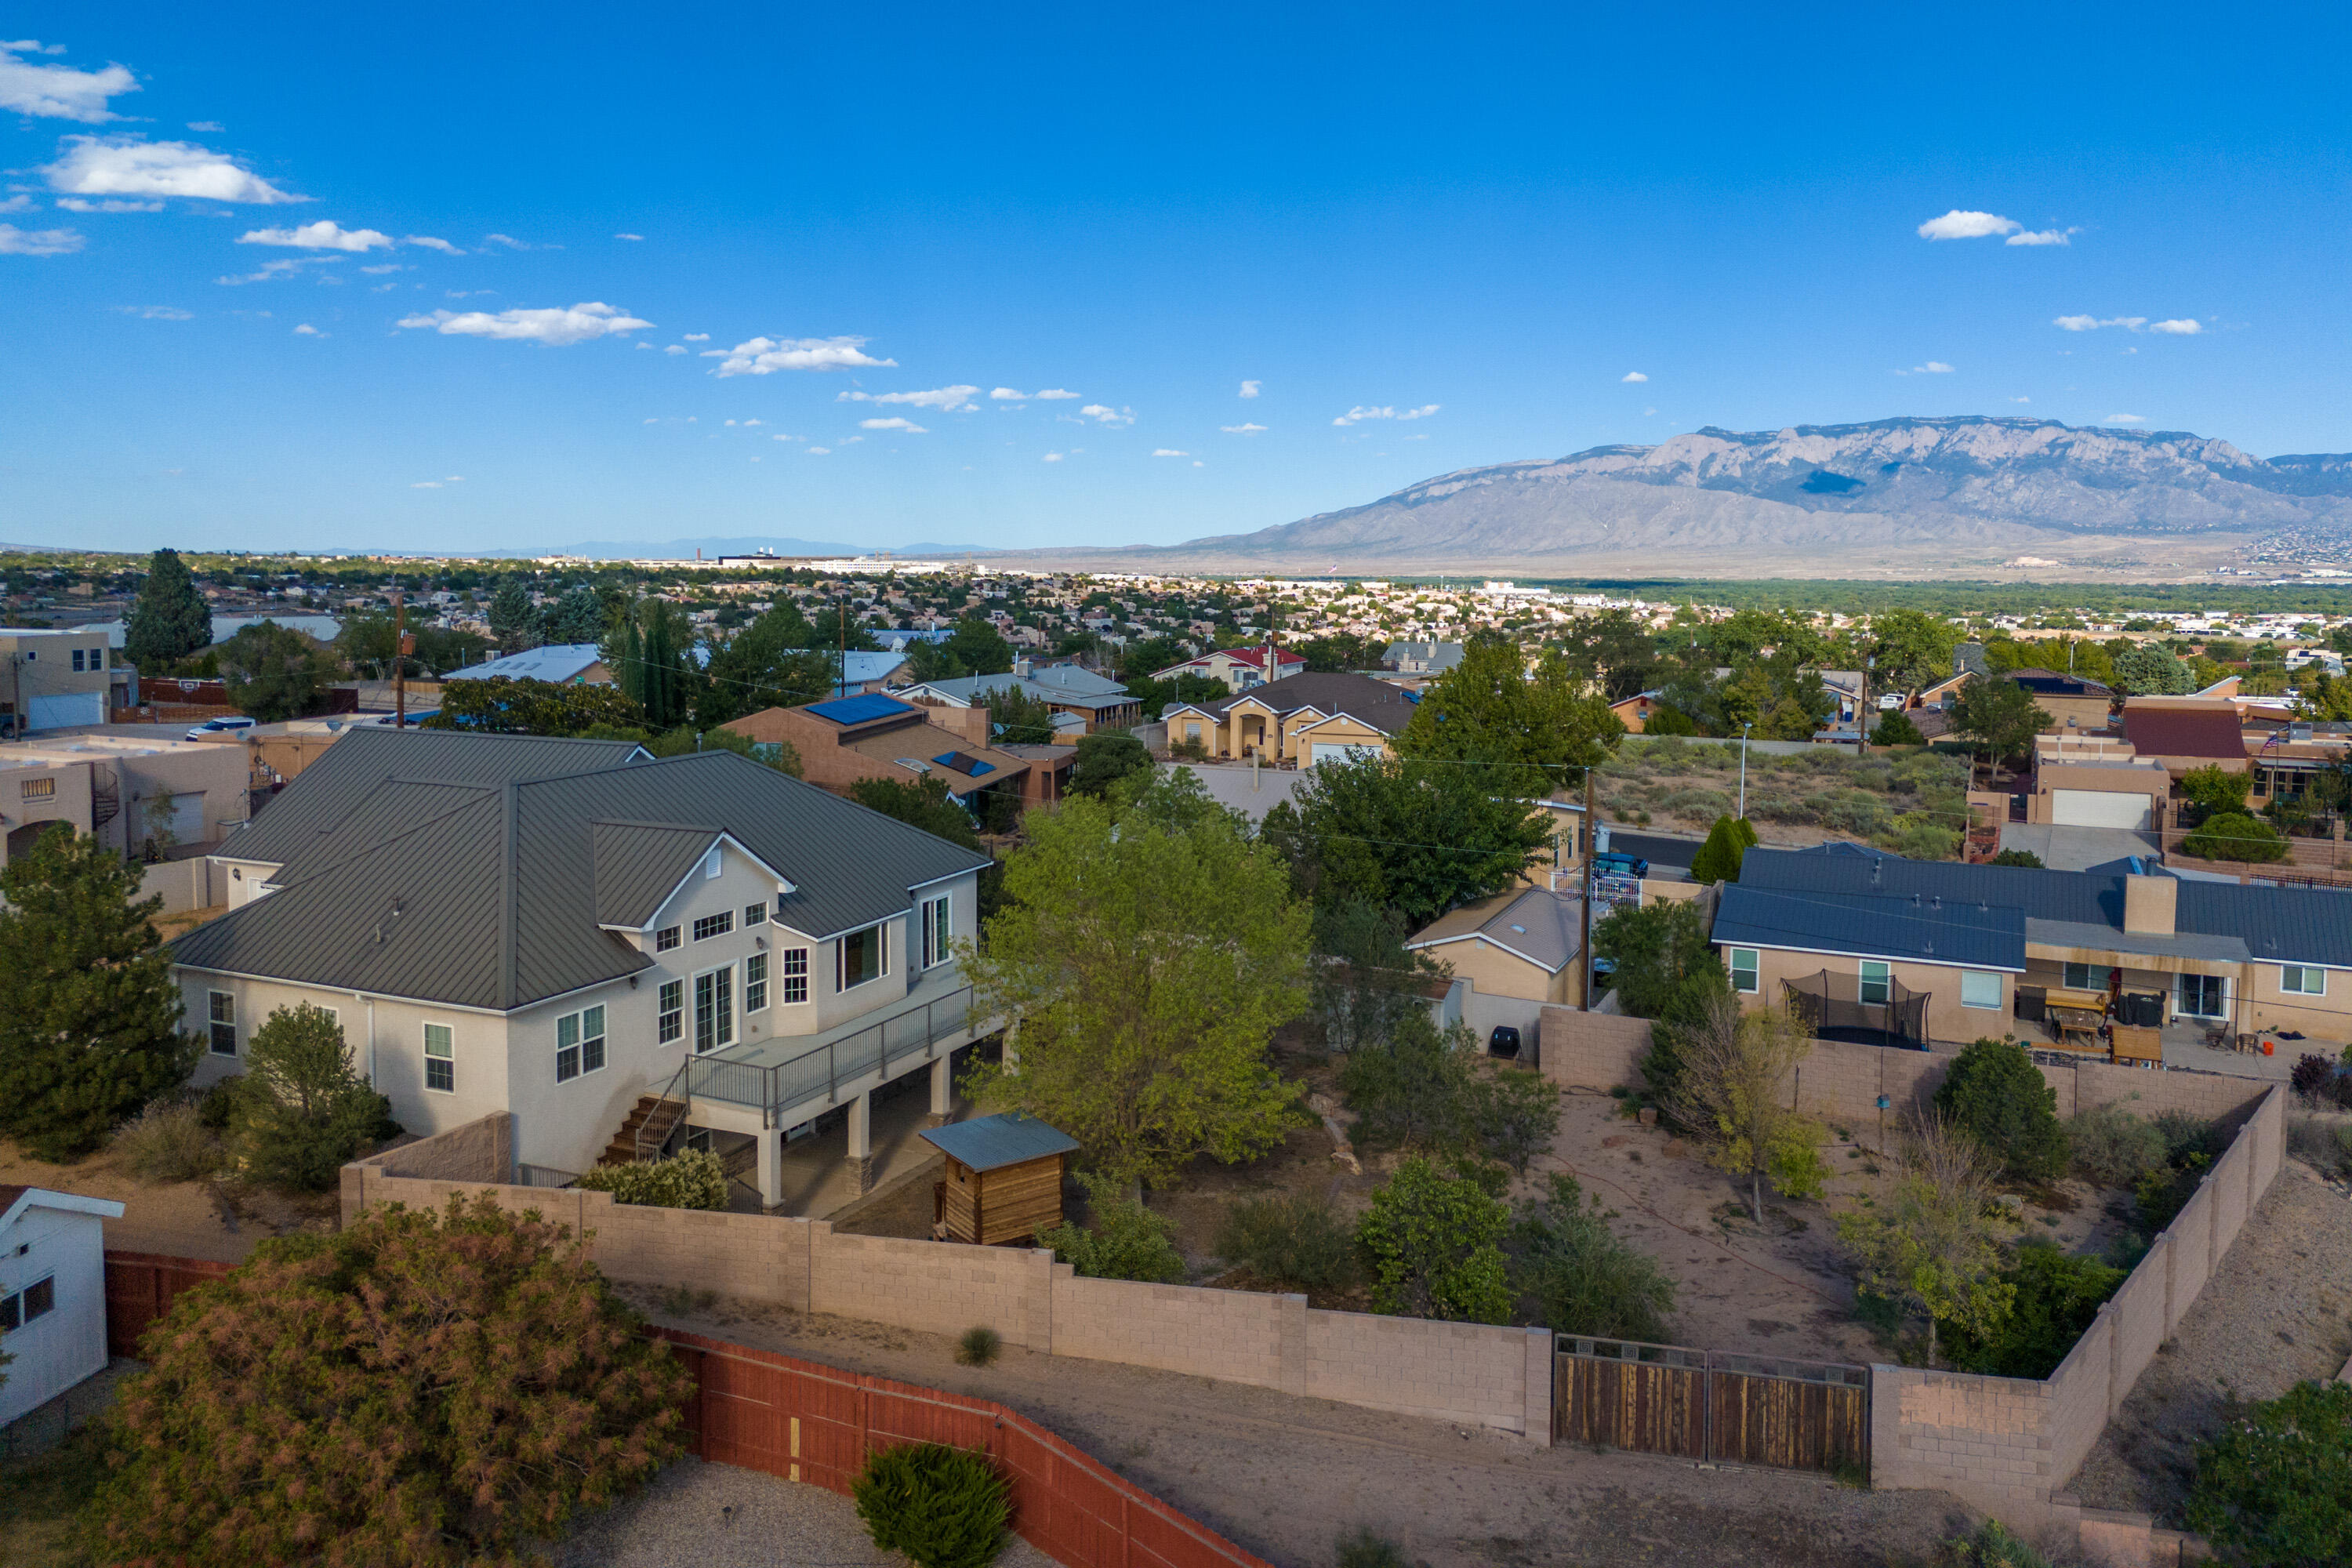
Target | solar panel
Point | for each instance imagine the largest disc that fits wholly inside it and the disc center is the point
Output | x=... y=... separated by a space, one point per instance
x=964 y=763
x=857 y=710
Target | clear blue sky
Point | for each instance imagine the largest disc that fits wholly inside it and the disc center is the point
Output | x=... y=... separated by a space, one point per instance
x=1495 y=215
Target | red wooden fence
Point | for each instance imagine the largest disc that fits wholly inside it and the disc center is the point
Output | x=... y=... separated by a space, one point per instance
x=802 y=1422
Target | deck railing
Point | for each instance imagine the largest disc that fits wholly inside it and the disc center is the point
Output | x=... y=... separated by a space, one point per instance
x=780 y=1089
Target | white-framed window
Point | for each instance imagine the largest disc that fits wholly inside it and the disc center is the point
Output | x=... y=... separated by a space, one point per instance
x=666 y=939
x=861 y=956
x=754 y=915
x=1979 y=988
x=2089 y=976
x=714 y=1010
x=937 y=929
x=672 y=1011
x=34 y=1301
x=755 y=983
x=1746 y=970
x=440 y=1058
x=221 y=1017
x=579 y=1043
x=718 y=924
x=2302 y=980
x=792 y=968
x=1878 y=982
x=2201 y=995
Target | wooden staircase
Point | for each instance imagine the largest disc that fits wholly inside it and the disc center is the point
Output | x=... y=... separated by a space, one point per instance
x=649 y=1127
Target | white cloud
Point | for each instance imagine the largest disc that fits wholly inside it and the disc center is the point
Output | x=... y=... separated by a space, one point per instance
x=818 y=451
x=2186 y=327
x=426 y=485
x=555 y=327
x=1244 y=429
x=2127 y=419
x=748 y=424
x=1006 y=394
x=126 y=167
x=1169 y=452
x=1051 y=458
x=155 y=312
x=381 y=267
x=17 y=204
x=323 y=235
x=1249 y=388
x=946 y=399
x=893 y=423
x=508 y=240
x=58 y=92
x=209 y=127
x=430 y=243
x=1103 y=413
x=764 y=357
x=1958 y=223
x=780 y=436
x=1632 y=378
x=2021 y=400
x=697 y=337
x=2043 y=236
x=307 y=331
x=628 y=237
x=2181 y=327
x=1356 y=416
x=456 y=478
x=673 y=349
x=112 y=204
x=1056 y=395
x=15 y=241
x=1933 y=367
x=1050 y=394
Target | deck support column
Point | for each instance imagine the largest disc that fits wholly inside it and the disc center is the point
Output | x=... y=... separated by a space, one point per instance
x=942 y=1090
x=861 y=1140
x=770 y=1143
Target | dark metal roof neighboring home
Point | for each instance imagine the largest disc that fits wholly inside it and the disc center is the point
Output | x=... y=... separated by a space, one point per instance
x=2058 y=683
x=488 y=896
x=1374 y=703
x=974 y=690
x=2162 y=730
x=1924 y=929
x=1535 y=924
x=992 y=1142
x=1075 y=677
x=1423 y=657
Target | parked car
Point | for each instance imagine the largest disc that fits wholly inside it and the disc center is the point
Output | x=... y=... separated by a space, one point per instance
x=1504 y=1042
x=1613 y=864
x=237 y=724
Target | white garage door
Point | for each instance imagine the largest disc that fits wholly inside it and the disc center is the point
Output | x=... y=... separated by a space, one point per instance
x=1334 y=752
x=2097 y=808
x=55 y=712
x=185 y=817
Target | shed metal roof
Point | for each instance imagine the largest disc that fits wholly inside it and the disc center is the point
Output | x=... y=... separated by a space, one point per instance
x=557 y=662
x=992 y=1142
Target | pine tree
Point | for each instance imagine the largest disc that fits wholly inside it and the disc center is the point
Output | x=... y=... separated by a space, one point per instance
x=512 y=620
x=88 y=1014
x=170 y=620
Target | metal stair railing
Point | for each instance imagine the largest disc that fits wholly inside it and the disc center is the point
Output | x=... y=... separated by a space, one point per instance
x=818 y=1074
x=670 y=1096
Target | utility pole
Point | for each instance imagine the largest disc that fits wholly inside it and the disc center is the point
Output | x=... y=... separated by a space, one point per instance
x=400 y=645
x=1584 y=908
x=1743 y=767
x=1861 y=710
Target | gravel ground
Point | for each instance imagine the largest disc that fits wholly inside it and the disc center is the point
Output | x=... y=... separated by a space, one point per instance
x=715 y=1516
x=2278 y=1311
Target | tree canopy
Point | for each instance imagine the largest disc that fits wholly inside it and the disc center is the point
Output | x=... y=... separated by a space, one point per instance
x=1999 y=715
x=1416 y=836
x=504 y=706
x=273 y=672
x=169 y=619
x=1530 y=733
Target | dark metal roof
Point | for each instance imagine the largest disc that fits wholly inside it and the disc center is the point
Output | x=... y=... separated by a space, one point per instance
x=2058 y=683
x=859 y=709
x=1377 y=703
x=493 y=900
x=992 y=1142
x=1919 y=930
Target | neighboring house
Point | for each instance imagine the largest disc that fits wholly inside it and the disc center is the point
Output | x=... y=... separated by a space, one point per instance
x=1239 y=667
x=564 y=664
x=2070 y=702
x=2289 y=759
x=1304 y=719
x=2186 y=732
x=124 y=792
x=877 y=736
x=58 y=678
x=2093 y=782
x=1421 y=658
x=1634 y=711
x=560 y=930
x=900 y=641
x=1520 y=943
x=52 y=1293
x=858 y=670
x=1252 y=791
x=1090 y=701
x=1939 y=950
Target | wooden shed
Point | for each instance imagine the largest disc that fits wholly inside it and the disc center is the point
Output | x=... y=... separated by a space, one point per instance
x=1003 y=1180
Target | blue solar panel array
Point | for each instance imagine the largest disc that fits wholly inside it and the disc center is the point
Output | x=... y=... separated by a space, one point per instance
x=857 y=710
x=964 y=763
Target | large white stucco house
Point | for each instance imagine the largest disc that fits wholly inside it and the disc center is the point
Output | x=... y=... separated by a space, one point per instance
x=561 y=929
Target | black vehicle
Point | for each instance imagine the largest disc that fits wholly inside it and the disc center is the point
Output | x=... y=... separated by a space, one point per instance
x=1613 y=864
x=1504 y=1042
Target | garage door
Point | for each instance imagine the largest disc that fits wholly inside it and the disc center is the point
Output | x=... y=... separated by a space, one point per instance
x=1333 y=752
x=184 y=815
x=55 y=712
x=2097 y=808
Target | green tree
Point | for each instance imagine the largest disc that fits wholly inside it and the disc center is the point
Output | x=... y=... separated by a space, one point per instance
x=1537 y=733
x=1581 y=1275
x=2152 y=670
x=1106 y=760
x=765 y=665
x=418 y=1390
x=1433 y=1238
x=2274 y=1490
x=934 y=661
x=1912 y=649
x=302 y=1111
x=976 y=646
x=1896 y=729
x=1018 y=719
x=90 y=1015
x=2216 y=791
x=1368 y=980
x=1341 y=651
x=514 y=620
x=1419 y=837
x=1999 y=715
x=921 y=803
x=1993 y=1093
x=503 y=705
x=169 y=619
x=1613 y=651
x=1143 y=658
x=1127 y=1240
x=2055 y=1298
x=1933 y=1242
x=1728 y=844
x=576 y=617
x=273 y=672
x=1145 y=969
x=2232 y=836
x=1655 y=947
x=1733 y=1095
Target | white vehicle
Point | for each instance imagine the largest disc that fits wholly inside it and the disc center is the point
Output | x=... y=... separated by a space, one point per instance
x=211 y=728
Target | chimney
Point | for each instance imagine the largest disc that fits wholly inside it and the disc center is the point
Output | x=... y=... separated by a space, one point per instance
x=2149 y=904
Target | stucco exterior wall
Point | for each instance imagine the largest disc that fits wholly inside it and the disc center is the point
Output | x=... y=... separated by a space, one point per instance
x=1946 y=1018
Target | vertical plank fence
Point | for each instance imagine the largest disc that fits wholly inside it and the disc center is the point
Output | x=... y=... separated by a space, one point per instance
x=141 y=1288
x=1711 y=1405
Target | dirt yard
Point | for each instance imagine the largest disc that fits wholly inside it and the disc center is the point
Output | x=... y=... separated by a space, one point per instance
x=1892 y=798
x=2277 y=1313
x=219 y=1220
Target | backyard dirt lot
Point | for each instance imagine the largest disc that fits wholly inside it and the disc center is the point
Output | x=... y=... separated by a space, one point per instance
x=218 y=1220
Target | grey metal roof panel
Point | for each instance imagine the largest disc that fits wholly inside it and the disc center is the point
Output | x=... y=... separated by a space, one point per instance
x=1918 y=931
x=2278 y=925
x=992 y=1142
x=639 y=864
x=2107 y=938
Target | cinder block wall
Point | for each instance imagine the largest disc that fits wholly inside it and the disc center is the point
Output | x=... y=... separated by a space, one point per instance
x=1984 y=1438
x=1235 y=1336
x=481 y=1150
x=1456 y=1372
x=700 y=1251
x=936 y=1287
x=1592 y=1050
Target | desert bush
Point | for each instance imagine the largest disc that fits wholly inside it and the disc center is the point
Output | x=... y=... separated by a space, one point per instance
x=1127 y=1240
x=217 y=1105
x=978 y=1345
x=690 y=1179
x=2274 y=1490
x=303 y=1111
x=2317 y=1077
x=1366 y=1548
x=1418 y=1089
x=1295 y=1240
x=1431 y=1236
x=1583 y=1277
x=1992 y=1546
x=1996 y=1095
x=2325 y=1147
x=2113 y=1147
x=2055 y=1299
x=942 y=1507
x=168 y=1141
x=2185 y=1134
x=2164 y=1192
x=2232 y=836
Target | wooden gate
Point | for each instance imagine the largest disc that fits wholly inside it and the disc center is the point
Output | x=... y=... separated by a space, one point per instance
x=1711 y=1405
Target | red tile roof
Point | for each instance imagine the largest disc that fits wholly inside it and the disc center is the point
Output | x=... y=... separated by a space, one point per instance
x=2185 y=733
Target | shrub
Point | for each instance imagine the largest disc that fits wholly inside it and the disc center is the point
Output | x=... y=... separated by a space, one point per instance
x=1127 y=1241
x=2112 y=1147
x=1655 y=949
x=1432 y=1238
x=2025 y=857
x=2315 y=1077
x=978 y=1345
x=2232 y=836
x=690 y=1179
x=1508 y=1115
x=943 y=1507
x=417 y=1389
x=1728 y=844
x=2274 y=1490
x=1896 y=729
x=1992 y=1546
x=302 y=1111
x=1295 y=1240
x=1366 y=1550
x=1585 y=1279
x=2057 y=1297
x=2164 y=1192
x=218 y=1104
x=1996 y=1095
x=168 y=1142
